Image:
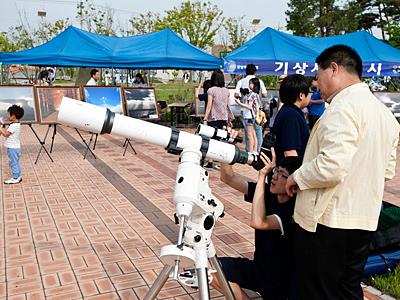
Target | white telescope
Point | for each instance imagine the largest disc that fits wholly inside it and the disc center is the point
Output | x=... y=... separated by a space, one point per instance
x=196 y=207
x=101 y=120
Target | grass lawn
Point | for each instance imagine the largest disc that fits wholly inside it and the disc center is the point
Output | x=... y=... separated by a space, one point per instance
x=388 y=284
x=175 y=92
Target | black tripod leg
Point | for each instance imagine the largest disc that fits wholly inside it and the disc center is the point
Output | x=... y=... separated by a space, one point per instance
x=52 y=138
x=129 y=142
x=126 y=144
x=87 y=146
x=95 y=142
x=42 y=143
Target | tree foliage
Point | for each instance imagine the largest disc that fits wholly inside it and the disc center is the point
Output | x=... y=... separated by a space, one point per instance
x=330 y=17
x=236 y=33
x=197 y=22
x=94 y=19
x=144 y=23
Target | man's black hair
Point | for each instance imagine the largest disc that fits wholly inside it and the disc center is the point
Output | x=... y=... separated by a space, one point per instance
x=218 y=79
x=256 y=82
x=344 y=56
x=16 y=110
x=206 y=85
x=251 y=69
x=290 y=163
x=292 y=86
x=93 y=72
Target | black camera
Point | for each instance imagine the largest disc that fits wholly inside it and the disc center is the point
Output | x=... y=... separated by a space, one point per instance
x=268 y=142
x=244 y=91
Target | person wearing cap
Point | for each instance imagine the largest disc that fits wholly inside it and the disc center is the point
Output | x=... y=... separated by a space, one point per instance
x=244 y=84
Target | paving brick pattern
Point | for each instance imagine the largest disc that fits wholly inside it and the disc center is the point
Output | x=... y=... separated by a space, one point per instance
x=93 y=228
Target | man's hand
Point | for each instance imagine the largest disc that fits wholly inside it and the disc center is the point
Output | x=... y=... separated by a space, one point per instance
x=1 y=121
x=291 y=186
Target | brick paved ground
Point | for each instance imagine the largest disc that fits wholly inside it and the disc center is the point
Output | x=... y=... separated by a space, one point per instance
x=93 y=229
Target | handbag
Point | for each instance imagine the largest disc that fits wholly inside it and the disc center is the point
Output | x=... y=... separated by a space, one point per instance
x=261 y=118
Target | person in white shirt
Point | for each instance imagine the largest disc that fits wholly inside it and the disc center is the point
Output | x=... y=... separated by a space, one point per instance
x=94 y=77
x=107 y=78
x=12 y=143
x=244 y=84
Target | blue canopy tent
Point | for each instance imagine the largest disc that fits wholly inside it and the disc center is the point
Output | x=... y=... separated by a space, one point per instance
x=277 y=53
x=78 y=48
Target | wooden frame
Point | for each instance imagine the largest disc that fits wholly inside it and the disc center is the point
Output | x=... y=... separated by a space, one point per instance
x=391 y=100
x=141 y=103
x=21 y=95
x=106 y=96
x=49 y=101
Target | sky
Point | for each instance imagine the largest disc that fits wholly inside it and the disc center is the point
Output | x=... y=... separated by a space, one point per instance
x=271 y=12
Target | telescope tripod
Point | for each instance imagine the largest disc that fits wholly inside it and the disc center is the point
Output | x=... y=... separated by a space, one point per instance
x=197 y=211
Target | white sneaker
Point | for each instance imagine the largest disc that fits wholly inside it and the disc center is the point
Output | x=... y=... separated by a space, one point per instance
x=13 y=180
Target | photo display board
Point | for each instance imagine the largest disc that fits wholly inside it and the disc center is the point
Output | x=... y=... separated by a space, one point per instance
x=391 y=100
x=22 y=96
x=109 y=97
x=201 y=105
x=141 y=103
x=49 y=101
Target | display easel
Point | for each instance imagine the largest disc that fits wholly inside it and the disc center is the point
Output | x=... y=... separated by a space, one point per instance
x=88 y=144
x=43 y=142
x=126 y=144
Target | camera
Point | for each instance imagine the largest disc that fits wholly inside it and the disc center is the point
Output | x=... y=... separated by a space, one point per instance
x=268 y=142
x=244 y=91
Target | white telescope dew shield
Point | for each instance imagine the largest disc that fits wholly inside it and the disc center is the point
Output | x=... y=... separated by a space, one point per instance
x=97 y=119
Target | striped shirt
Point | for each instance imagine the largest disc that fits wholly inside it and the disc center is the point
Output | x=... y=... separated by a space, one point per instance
x=220 y=109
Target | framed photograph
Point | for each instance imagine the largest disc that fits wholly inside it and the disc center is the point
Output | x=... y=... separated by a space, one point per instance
x=391 y=100
x=49 y=101
x=22 y=96
x=106 y=96
x=141 y=103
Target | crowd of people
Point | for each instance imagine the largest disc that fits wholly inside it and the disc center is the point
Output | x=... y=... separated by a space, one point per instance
x=316 y=201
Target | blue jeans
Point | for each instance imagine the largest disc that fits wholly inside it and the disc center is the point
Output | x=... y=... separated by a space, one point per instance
x=13 y=160
x=258 y=129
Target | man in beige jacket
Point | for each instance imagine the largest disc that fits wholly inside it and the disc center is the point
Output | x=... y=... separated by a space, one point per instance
x=350 y=154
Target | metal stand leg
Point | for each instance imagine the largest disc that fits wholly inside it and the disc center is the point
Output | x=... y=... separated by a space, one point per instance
x=86 y=144
x=126 y=144
x=95 y=141
x=221 y=278
x=159 y=283
x=42 y=143
x=202 y=279
x=52 y=138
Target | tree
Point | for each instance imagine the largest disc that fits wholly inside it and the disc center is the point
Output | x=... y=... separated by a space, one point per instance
x=325 y=17
x=5 y=44
x=46 y=30
x=301 y=14
x=93 y=19
x=236 y=34
x=144 y=23
x=198 y=22
x=393 y=30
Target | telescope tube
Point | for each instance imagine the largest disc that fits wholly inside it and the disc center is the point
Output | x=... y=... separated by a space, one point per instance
x=97 y=119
